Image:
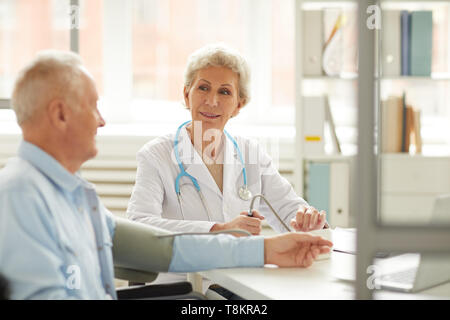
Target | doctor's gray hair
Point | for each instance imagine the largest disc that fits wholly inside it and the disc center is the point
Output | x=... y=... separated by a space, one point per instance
x=51 y=75
x=219 y=55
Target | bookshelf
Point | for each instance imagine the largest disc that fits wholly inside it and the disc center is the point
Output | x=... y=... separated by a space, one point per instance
x=410 y=182
x=429 y=94
x=337 y=85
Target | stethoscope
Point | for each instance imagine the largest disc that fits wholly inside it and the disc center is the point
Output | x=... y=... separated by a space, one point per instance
x=243 y=192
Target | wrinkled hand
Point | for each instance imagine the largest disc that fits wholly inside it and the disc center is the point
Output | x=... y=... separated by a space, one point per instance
x=294 y=249
x=242 y=221
x=308 y=219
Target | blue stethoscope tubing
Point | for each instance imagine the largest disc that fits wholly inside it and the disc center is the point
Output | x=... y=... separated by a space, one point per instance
x=244 y=192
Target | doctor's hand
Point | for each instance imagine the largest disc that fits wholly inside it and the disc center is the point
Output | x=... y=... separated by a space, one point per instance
x=308 y=219
x=242 y=221
x=294 y=249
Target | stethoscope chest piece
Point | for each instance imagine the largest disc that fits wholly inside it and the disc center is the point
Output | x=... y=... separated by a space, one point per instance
x=244 y=193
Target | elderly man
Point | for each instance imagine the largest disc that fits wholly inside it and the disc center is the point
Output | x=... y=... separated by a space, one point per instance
x=57 y=241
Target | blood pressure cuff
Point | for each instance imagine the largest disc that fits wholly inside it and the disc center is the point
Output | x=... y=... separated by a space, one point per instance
x=138 y=253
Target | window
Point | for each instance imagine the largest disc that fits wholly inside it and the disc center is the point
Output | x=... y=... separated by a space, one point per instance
x=165 y=32
x=26 y=27
x=137 y=51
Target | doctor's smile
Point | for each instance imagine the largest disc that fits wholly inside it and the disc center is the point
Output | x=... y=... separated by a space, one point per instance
x=209 y=115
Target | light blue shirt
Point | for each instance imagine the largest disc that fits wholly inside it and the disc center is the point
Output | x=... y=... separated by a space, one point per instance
x=56 y=236
x=205 y=252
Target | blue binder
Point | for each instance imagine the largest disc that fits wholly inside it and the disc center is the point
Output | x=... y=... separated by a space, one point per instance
x=421 y=43
x=318 y=194
x=405 y=31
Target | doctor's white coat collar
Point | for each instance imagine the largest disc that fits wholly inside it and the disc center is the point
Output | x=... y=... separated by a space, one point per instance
x=194 y=165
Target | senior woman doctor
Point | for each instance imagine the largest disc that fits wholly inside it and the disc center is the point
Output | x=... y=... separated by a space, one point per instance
x=191 y=180
x=196 y=178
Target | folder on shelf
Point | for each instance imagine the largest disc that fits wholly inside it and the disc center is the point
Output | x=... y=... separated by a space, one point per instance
x=350 y=43
x=312 y=35
x=339 y=194
x=440 y=51
x=333 y=24
x=318 y=186
x=421 y=43
x=331 y=125
x=391 y=43
x=328 y=188
x=313 y=123
x=405 y=31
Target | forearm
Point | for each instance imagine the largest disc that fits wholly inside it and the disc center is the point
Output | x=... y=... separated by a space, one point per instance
x=195 y=253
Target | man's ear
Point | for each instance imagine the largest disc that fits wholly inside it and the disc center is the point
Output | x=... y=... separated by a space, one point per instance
x=58 y=113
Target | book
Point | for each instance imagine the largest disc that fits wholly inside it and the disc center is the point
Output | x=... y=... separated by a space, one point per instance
x=400 y=126
x=421 y=39
x=312 y=36
x=391 y=125
x=409 y=127
x=391 y=43
x=405 y=34
x=416 y=131
x=404 y=117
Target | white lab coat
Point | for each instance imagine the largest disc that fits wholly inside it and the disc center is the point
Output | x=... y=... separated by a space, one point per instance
x=154 y=200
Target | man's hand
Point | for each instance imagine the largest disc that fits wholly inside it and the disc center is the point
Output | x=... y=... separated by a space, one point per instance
x=294 y=249
x=243 y=221
x=308 y=219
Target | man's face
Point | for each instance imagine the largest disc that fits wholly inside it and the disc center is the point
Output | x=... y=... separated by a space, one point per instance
x=84 y=123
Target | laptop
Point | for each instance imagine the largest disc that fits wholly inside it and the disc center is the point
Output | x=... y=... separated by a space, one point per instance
x=414 y=272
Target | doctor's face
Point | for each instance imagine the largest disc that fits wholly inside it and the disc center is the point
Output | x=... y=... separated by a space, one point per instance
x=213 y=97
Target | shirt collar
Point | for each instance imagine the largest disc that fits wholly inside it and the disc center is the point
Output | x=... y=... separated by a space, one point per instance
x=50 y=167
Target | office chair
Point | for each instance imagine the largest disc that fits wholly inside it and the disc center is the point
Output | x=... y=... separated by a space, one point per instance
x=138 y=290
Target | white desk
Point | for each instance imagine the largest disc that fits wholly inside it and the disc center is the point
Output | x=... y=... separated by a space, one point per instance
x=315 y=282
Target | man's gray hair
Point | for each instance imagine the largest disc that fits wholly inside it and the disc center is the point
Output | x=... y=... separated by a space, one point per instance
x=51 y=75
x=219 y=55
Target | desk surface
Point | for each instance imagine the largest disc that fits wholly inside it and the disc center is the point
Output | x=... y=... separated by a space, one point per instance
x=316 y=282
